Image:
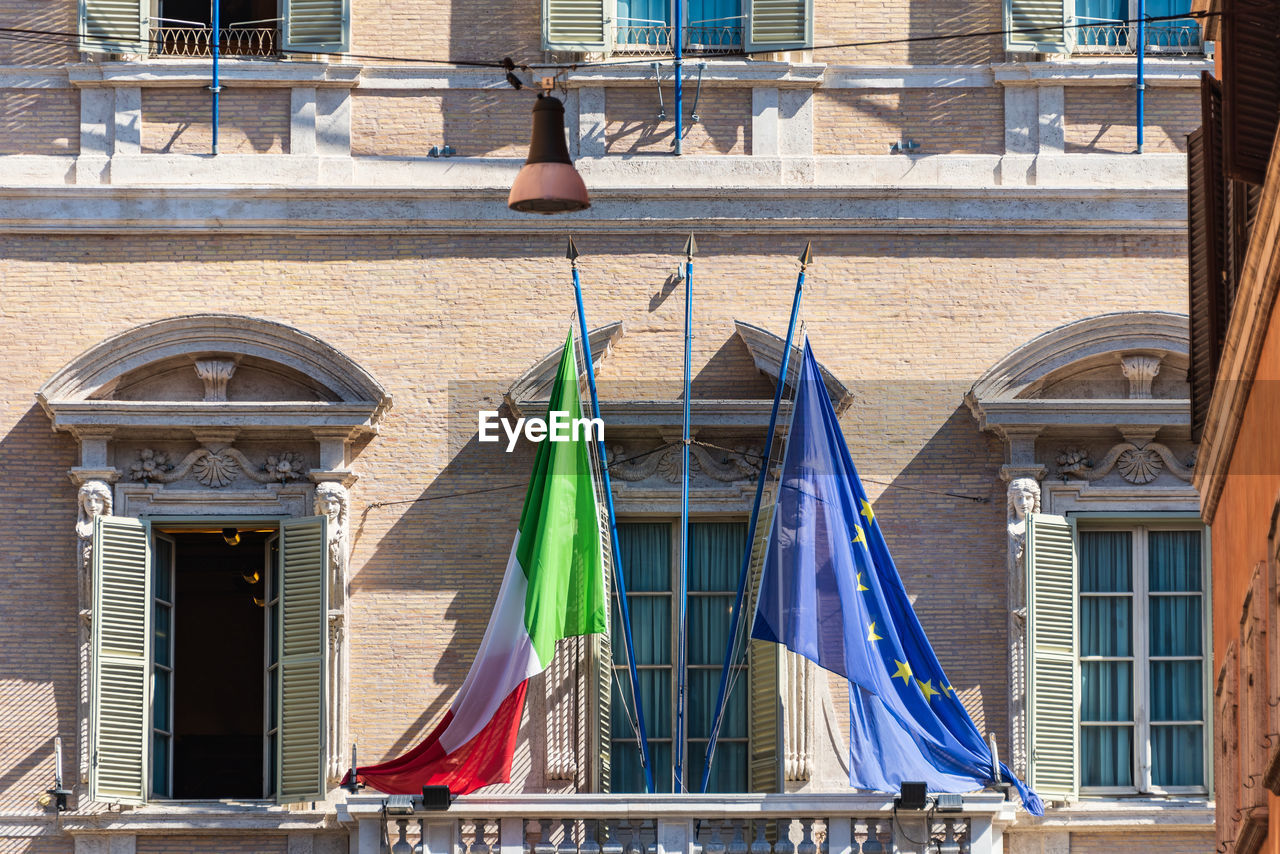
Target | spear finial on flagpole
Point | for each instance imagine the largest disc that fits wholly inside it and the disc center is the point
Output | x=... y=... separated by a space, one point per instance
x=571 y=252
x=690 y=247
x=805 y=257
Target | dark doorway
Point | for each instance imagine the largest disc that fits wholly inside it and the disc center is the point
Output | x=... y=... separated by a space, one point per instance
x=219 y=666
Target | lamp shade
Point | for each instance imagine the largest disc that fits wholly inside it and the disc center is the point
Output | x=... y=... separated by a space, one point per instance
x=548 y=183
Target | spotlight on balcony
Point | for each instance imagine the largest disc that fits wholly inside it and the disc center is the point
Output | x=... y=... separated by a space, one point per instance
x=436 y=797
x=913 y=796
x=399 y=805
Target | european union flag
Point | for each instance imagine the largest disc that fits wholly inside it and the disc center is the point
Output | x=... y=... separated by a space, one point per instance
x=830 y=592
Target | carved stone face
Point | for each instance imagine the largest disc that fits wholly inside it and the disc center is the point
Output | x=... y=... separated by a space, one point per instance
x=94 y=505
x=331 y=506
x=1023 y=496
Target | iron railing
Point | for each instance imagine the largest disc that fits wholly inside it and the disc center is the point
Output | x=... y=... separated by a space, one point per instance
x=174 y=37
x=644 y=37
x=1118 y=38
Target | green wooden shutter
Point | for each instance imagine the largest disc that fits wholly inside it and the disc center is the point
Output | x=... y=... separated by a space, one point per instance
x=317 y=26
x=1052 y=727
x=120 y=696
x=575 y=25
x=113 y=26
x=779 y=25
x=601 y=674
x=764 y=705
x=1045 y=17
x=304 y=636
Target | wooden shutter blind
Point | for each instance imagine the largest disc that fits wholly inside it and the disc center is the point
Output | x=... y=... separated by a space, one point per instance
x=113 y=26
x=764 y=703
x=1051 y=643
x=779 y=24
x=1034 y=26
x=317 y=26
x=1251 y=82
x=304 y=635
x=577 y=25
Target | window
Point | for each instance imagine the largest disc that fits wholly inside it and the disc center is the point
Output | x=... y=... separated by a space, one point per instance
x=1097 y=26
x=645 y=26
x=208 y=661
x=1117 y=679
x=650 y=561
x=247 y=27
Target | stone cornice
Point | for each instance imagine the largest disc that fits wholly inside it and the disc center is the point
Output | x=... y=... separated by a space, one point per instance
x=476 y=203
x=1117 y=71
x=1250 y=322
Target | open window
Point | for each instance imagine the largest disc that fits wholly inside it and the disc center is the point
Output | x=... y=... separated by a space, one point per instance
x=209 y=651
x=1099 y=27
x=649 y=27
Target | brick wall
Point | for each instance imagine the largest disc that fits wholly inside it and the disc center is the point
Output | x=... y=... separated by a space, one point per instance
x=39 y=121
x=251 y=121
x=632 y=125
x=58 y=17
x=440 y=29
x=489 y=122
x=884 y=20
x=942 y=121
x=1104 y=119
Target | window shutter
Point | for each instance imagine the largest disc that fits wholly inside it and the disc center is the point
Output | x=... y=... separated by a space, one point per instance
x=120 y=699
x=1043 y=21
x=764 y=718
x=1051 y=641
x=779 y=25
x=1251 y=87
x=304 y=565
x=601 y=744
x=1205 y=188
x=113 y=26
x=574 y=25
x=317 y=26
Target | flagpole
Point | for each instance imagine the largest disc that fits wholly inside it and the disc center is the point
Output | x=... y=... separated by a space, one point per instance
x=677 y=782
x=721 y=697
x=572 y=255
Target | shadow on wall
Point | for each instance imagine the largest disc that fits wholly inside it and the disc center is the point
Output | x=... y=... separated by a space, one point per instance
x=37 y=610
x=943 y=517
x=946 y=17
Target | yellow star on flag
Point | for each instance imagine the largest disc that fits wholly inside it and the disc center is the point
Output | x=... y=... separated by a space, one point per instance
x=867 y=511
x=927 y=688
x=949 y=690
x=904 y=670
x=871 y=631
x=860 y=537
x=861 y=586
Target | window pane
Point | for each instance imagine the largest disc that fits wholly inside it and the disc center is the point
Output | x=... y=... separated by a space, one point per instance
x=1106 y=691
x=645 y=548
x=1105 y=626
x=1106 y=756
x=650 y=631
x=160 y=631
x=1176 y=755
x=715 y=555
x=1106 y=561
x=704 y=685
x=1175 y=561
x=1175 y=625
x=626 y=773
x=273 y=635
x=160 y=766
x=1176 y=691
x=655 y=693
x=160 y=697
x=728 y=767
x=161 y=578
x=709 y=618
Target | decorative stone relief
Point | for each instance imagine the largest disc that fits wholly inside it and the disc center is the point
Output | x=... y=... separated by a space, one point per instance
x=1023 y=498
x=94 y=499
x=1140 y=370
x=798 y=717
x=333 y=502
x=565 y=682
x=721 y=465
x=1137 y=463
x=216 y=466
x=215 y=374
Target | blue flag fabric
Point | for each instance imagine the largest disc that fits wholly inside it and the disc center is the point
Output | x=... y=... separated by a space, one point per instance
x=830 y=592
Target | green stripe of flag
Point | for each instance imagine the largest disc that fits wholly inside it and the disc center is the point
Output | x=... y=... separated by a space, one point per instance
x=559 y=548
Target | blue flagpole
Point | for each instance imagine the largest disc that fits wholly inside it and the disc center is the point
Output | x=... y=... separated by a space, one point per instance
x=677 y=780
x=613 y=529
x=721 y=697
x=1142 y=82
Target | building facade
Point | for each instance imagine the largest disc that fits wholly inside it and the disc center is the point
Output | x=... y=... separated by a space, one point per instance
x=287 y=345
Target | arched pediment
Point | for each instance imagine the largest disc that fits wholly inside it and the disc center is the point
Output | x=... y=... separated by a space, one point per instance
x=1130 y=367
x=766 y=350
x=212 y=370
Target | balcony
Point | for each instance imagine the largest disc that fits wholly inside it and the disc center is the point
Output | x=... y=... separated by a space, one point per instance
x=663 y=824
x=173 y=37
x=1105 y=37
x=643 y=37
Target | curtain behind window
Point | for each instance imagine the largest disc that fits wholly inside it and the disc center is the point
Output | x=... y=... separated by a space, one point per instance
x=1106 y=635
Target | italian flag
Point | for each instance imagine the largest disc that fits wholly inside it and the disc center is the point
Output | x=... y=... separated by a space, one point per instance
x=553 y=588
